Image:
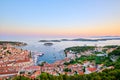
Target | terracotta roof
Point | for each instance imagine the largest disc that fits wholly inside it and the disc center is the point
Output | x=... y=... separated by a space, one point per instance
x=91 y=69
x=32 y=68
x=80 y=72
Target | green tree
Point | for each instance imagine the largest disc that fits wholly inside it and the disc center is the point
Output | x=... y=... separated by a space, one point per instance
x=67 y=70
x=21 y=78
x=43 y=76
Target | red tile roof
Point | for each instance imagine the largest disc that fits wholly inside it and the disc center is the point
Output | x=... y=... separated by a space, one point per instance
x=91 y=69
x=32 y=68
x=80 y=72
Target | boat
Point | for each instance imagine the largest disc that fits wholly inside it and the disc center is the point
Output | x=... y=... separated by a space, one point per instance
x=37 y=53
x=36 y=56
x=40 y=54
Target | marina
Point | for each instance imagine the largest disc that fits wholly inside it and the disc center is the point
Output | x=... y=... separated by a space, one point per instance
x=36 y=56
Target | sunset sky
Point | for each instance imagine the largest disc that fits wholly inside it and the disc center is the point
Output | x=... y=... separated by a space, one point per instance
x=59 y=18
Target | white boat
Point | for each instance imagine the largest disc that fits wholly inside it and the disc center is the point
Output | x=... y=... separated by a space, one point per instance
x=39 y=54
x=36 y=55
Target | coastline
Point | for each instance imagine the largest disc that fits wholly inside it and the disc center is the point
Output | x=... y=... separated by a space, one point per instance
x=58 y=66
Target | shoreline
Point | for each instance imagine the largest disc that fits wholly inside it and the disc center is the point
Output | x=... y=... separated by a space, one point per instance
x=24 y=59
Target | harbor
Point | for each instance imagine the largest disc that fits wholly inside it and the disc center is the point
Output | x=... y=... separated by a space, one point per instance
x=35 y=56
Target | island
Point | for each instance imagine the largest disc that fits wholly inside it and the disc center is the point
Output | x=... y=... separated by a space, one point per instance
x=13 y=43
x=48 y=44
x=102 y=39
x=55 y=41
x=49 y=41
x=43 y=41
x=65 y=40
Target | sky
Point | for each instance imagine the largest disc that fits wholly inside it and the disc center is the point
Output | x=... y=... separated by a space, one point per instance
x=57 y=18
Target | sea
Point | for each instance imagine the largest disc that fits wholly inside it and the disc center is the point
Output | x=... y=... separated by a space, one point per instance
x=56 y=51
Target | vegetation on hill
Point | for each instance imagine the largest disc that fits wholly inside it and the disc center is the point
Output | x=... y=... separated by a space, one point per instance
x=78 y=49
x=110 y=46
x=81 y=59
x=105 y=75
x=107 y=61
x=111 y=74
x=115 y=54
x=20 y=78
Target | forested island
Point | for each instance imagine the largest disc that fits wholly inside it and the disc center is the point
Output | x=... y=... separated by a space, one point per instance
x=49 y=41
x=13 y=43
x=48 y=44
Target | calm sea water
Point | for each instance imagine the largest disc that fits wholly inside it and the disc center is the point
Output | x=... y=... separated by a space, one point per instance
x=56 y=51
